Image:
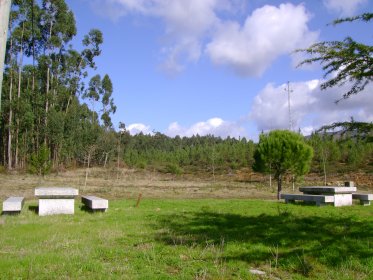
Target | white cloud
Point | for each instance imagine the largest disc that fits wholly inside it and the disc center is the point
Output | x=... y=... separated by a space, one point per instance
x=213 y=126
x=344 y=7
x=195 y=27
x=136 y=128
x=311 y=108
x=267 y=34
x=186 y=23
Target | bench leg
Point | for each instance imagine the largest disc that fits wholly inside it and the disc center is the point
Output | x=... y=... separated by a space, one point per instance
x=289 y=201
x=319 y=203
x=365 y=202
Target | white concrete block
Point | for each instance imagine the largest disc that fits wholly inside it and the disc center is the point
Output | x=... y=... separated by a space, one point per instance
x=365 y=198
x=342 y=200
x=56 y=192
x=95 y=203
x=13 y=204
x=327 y=190
x=56 y=206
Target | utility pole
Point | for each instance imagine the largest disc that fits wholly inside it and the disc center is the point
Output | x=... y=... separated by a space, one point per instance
x=288 y=90
x=4 y=21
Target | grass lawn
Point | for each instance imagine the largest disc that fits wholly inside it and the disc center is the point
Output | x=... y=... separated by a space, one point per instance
x=190 y=239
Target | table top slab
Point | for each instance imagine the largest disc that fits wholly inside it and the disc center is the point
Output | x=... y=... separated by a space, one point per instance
x=327 y=190
x=56 y=192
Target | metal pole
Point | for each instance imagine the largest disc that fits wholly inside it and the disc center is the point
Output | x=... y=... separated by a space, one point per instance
x=4 y=21
x=289 y=91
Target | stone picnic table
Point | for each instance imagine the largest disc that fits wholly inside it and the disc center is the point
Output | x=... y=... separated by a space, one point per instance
x=342 y=195
x=56 y=200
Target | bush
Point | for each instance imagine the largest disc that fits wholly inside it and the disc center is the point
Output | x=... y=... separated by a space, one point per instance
x=39 y=162
x=173 y=169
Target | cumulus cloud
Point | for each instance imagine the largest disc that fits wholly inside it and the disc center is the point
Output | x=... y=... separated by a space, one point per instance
x=213 y=126
x=194 y=28
x=310 y=107
x=186 y=23
x=267 y=34
x=344 y=7
x=137 y=128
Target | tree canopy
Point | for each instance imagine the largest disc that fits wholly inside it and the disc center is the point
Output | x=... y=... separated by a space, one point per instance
x=344 y=61
x=43 y=101
x=281 y=152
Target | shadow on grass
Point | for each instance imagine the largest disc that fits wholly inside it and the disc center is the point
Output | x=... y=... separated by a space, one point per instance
x=89 y=210
x=329 y=239
x=34 y=208
x=10 y=213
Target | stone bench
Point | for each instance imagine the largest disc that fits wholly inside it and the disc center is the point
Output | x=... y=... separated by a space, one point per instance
x=319 y=199
x=95 y=203
x=365 y=198
x=13 y=204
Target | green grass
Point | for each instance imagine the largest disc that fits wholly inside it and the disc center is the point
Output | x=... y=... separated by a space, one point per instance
x=190 y=239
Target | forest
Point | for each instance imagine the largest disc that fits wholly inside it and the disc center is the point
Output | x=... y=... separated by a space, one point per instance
x=56 y=111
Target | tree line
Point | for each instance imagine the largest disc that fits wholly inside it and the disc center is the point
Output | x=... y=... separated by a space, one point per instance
x=332 y=153
x=56 y=111
x=52 y=99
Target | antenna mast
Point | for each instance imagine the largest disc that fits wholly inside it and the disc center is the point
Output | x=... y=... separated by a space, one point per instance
x=288 y=90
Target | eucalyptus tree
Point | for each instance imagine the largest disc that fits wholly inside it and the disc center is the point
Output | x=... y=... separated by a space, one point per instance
x=108 y=106
x=42 y=101
x=22 y=37
x=57 y=27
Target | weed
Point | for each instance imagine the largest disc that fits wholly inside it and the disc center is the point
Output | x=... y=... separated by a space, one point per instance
x=305 y=266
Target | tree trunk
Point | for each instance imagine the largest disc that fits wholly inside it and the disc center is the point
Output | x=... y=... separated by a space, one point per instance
x=4 y=22
x=106 y=157
x=19 y=96
x=46 y=106
x=68 y=104
x=324 y=165
x=9 y=152
x=47 y=92
x=10 y=123
x=279 y=187
x=87 y=170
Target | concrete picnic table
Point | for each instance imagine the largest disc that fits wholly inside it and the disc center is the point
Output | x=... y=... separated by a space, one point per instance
x=56 y=200
x=342 y=195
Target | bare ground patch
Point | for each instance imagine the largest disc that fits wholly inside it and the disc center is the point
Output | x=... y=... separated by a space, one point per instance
x=128 y=183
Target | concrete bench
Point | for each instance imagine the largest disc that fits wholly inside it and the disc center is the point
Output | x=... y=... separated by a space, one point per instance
x=95 y=203
x=13 y=204
x=319 y=199
x=365 y=198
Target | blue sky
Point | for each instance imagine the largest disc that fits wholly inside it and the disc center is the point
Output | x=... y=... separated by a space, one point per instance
x=183 y=67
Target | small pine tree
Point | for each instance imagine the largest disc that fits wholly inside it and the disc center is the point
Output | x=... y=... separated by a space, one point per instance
x=39 y=161
x=282 y=152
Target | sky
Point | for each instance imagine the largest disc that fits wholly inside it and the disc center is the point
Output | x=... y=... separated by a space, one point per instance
x=221 y=67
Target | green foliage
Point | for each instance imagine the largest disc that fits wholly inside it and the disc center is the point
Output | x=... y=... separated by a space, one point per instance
x=39 y=162
x=359 y=130
x=352 y=61
x=45 y=105
x=173 y=169
x=280 y=152
x=196 y=153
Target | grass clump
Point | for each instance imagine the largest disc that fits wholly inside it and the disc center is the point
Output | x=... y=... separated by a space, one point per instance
x=190 y=239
